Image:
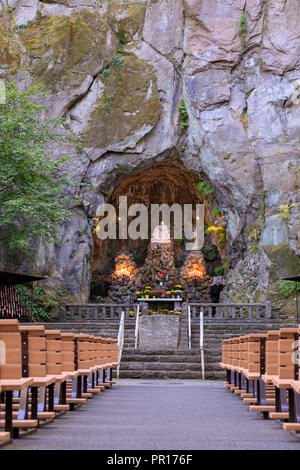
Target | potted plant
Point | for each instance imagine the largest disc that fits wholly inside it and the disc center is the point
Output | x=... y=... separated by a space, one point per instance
x=159 y=294
x=177 y=311
x=178 y=293
x=147 y=291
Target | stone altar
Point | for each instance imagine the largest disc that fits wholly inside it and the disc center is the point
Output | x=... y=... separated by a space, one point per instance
x=157 y=332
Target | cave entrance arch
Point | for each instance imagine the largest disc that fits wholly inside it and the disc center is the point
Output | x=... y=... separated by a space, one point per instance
x=168 y=182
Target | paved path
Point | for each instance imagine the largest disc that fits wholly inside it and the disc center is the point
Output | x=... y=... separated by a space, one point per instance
x=158 y=415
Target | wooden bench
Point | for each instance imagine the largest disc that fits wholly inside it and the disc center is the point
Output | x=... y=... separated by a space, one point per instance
x=261 y=369
x=293 y=423
x=46 y=371
x=11 y=380
x=271 y=375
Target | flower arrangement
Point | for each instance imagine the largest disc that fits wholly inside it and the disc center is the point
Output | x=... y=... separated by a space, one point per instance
x=177 y=311
x=160 y=277
x=171 y=293
x=165 y=311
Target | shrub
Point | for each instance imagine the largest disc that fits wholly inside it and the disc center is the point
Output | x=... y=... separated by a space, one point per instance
x=287 y=288
x=37 y=302
x=205 y=188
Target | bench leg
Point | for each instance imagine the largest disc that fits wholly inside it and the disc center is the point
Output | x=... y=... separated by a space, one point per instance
x=240 y=381
x=79 y=386
x=91 y=381
x=85 y=384
x=42 y=400
x=63 y=394
x=15 y=433
x=277 y=400
x=51 y=397
x=292 y=409
x=8 y=411
x=23 y=404
x=34 y=402
x=235 y=379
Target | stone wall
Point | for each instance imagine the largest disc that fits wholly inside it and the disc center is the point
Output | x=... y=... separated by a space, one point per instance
x=117 y=72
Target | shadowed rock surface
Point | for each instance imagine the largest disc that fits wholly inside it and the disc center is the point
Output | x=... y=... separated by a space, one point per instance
x=118 y=72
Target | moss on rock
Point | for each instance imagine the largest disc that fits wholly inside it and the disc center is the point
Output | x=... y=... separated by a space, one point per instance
x=65 y=49
x=285 y=262
x=128 y=103
x=10 y=47
x=126 y=19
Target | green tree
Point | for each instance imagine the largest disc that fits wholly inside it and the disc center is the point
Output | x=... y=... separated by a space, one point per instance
x=31 y=200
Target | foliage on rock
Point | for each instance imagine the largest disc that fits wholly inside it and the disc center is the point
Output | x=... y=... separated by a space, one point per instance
x=31 y=203
x=39 y=303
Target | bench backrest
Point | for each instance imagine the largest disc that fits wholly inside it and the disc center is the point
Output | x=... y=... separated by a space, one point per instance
x=34 y=351
x=54 y=352
x=272 y=354
x=82 y=354
x=67 y=352
x=225 y=351
x=244 y=341
x=287 y=338
x=109 y=350
x=256 y=359
x=11 y=350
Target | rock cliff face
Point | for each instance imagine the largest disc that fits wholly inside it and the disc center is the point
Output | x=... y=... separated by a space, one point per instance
x=117 y=71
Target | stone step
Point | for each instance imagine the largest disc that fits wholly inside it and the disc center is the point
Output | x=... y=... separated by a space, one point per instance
x=160 y=358
x=170 y=366
x=163 y=352
x=174 y=366
x=171 y=357
x=156 y=374
x=152 y=374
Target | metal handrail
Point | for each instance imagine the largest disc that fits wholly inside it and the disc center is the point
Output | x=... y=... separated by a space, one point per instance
x=121 y=340
x=201 y=345
x=136 y=333
x=189 y=328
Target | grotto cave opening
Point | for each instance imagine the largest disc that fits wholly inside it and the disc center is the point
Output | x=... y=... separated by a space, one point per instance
x=123 y=267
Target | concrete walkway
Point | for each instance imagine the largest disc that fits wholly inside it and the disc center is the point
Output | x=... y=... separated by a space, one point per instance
x=160 y=415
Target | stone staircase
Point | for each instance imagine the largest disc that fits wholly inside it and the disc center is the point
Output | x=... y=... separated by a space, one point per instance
x=181 y=363
x=184 y=363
